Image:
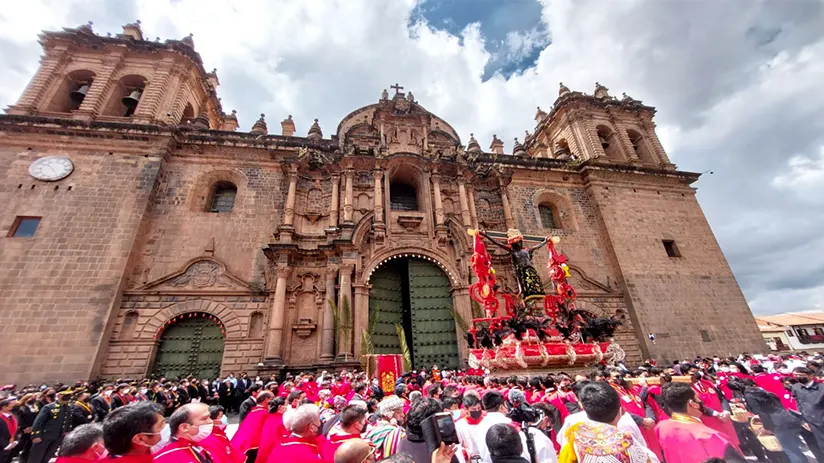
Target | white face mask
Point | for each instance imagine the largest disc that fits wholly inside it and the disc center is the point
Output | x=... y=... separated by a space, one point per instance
x=455 y=415
x=203 y=431
x=224 y=421
x=144 y=391
x=107 y=393
x=165 y=437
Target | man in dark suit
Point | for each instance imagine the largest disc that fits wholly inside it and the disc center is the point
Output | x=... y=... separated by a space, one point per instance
x=26 y=412
x=9 y=429
x=226 y=392
x=242 y=391
x=101 y=402
x=247 y=405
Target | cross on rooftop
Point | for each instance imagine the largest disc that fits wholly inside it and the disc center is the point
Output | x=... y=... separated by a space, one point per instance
x=397 y=88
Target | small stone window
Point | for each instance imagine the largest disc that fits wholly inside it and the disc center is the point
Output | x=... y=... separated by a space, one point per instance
x=548 y=216
x=705 y=336
x=403 y=197
x=223 y=199
x=24 y=227
x=129 y=325
x=671 y=248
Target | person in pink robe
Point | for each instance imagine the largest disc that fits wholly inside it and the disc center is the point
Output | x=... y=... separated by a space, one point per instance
x=304 y=444
x=273 y=430
x=685 y=438
x=218 y=443
x=632 y=404
x=246 y=440
x=714 y=414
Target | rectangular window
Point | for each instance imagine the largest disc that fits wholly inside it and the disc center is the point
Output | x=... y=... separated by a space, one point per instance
x=671 y=248
x=24 y=227
x=818 y=331
x=802 y=332
x=705 y=335
x=790 y=333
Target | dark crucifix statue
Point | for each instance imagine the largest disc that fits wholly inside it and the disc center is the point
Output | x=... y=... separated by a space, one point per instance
x=529 y=282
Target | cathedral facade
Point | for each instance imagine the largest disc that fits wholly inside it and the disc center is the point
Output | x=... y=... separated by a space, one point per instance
x=146 y=234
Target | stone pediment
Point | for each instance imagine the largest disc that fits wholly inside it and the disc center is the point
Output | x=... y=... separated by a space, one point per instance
x=584 y=284
x=201 y=274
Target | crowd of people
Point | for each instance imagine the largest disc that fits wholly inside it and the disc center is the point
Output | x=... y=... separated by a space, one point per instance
x=706 y=409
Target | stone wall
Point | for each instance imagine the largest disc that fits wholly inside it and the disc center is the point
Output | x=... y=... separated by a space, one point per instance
x=59 y=287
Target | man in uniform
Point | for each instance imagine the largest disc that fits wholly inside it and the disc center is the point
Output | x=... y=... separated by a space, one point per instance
x=52 y=423
x=82 y=409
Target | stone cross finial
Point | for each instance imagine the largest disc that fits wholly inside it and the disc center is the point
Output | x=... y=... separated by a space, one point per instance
x=396 y=87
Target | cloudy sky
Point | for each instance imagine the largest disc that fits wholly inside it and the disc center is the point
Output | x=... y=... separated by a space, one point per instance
x=737 y=83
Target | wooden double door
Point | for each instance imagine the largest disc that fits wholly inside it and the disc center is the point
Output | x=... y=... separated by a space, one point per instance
x=192 y=346
x=415 y=294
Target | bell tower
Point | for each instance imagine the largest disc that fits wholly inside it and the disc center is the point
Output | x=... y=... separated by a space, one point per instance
x=123 y=78
x=581 y=127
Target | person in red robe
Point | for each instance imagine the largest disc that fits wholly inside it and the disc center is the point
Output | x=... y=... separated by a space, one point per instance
x=9 y=434
x=83 y=445
x=218 y=443
x=246 y=440
x=133 y=433
x=685 y=438
x=273 y=430
x=353 y=425
x=714 y=414
x=190 y=425
x=770 y=382
x=304 y=444
x=642 y=413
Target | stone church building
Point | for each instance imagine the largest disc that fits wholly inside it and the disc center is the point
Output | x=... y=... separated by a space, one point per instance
x=145 y=233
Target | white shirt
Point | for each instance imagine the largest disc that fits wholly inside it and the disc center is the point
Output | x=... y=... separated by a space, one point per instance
x=544 y=450
x=625 y=423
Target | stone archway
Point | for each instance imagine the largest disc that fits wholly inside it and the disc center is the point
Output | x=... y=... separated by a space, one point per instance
x=227 y=317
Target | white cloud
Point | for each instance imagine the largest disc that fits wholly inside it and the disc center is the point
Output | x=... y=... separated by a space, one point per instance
x=729 y=99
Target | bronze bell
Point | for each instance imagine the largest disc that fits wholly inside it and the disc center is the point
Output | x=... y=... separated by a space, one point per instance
x=132 y=100
x=604 y=142
x=635 y=147
x=79 y=94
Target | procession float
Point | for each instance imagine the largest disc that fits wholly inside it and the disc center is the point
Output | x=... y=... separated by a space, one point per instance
x=534 y=328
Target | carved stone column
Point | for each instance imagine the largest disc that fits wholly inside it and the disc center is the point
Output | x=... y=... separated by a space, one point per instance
x=473 y=215
x=333 y=210
x=510 y=222
x=436 y=187
x=360 y=311
x=327 y=351
x=467 y=222
x=378 y=174
x=274 y=341
x=101 y=84
x=289 y=209
x=346 y=333
x=348 y=208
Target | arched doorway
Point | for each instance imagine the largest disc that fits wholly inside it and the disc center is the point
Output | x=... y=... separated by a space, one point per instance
x=415 y=294
x=191 y=345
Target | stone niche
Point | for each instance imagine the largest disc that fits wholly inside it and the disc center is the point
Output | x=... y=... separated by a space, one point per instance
x=305 y=305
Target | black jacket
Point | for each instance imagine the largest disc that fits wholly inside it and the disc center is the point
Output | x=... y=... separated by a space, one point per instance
x=100 y=407
x=81 y=414
x=52 y=422
x=246 y=406
x=118 y=401
x=25 y=416
x=810 y=401
x=772 y=412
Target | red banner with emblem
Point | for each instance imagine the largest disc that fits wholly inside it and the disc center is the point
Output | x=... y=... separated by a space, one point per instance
x=387 y=368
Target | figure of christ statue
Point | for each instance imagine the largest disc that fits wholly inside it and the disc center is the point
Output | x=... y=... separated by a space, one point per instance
x=529 y=282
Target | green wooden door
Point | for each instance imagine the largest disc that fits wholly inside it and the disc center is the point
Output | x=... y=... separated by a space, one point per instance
x=386 y=303
x=433 y=327
x=192 y=346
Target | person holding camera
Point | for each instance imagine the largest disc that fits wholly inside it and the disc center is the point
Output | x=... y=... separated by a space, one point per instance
x=496 y=413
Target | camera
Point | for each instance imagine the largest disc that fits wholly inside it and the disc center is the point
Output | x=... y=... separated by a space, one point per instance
x=523 y=413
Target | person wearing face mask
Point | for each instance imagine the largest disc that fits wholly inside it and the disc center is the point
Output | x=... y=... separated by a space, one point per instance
x=809 y=397
x=246 y=440
x=353 y=426
x=135 y=432
x=466 y=426
x=641 y=412
x=388 y=431
x=52 y=423
x=685 y=438
x=120 y=397
x=83 y=445
x=82 y=409
x=218 y=443
x=26 y=412
x=304 y=444
x=715 y=406
x=189 y=425
x=273 y=430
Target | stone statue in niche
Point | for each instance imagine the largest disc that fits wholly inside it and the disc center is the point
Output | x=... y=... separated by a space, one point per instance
x=393 y=135
x=414 y=138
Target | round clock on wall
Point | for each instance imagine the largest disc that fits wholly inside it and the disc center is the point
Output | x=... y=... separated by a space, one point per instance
x=51 y=168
